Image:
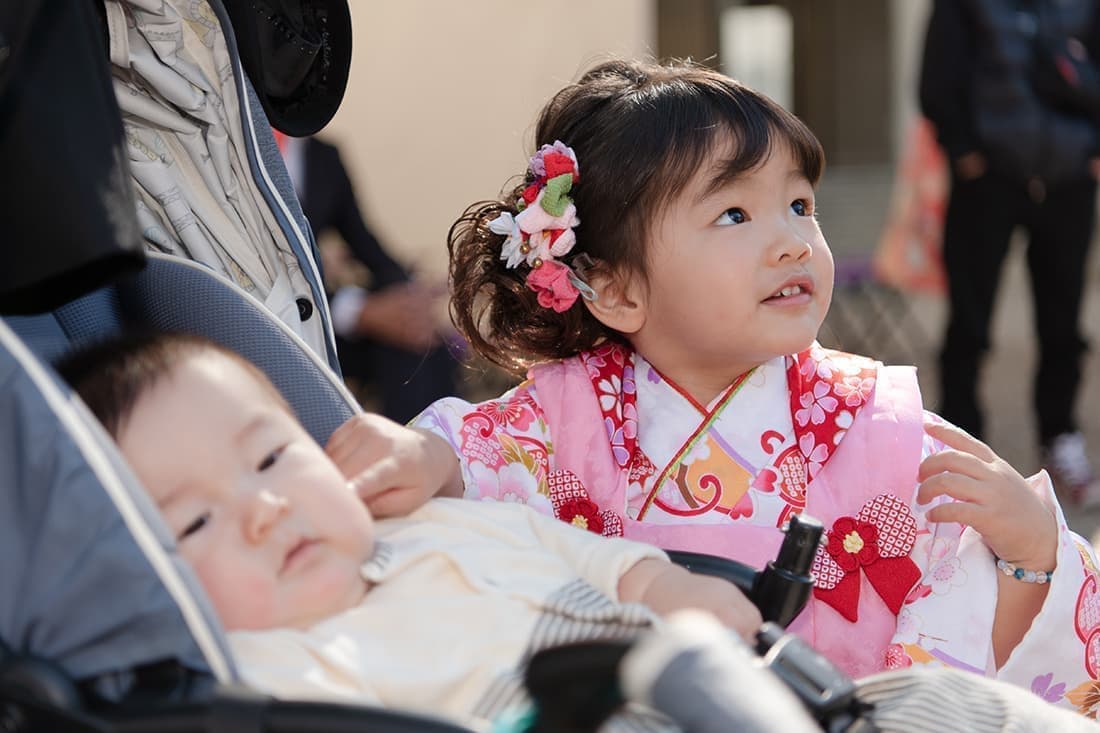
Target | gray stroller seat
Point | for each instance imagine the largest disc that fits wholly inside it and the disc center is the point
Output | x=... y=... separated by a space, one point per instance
x=172 y=294
x=102 y=626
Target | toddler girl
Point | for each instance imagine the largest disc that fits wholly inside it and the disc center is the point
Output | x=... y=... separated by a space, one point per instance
x=661 y=274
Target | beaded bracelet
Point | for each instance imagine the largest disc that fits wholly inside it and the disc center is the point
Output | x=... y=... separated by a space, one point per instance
x=1027 y=576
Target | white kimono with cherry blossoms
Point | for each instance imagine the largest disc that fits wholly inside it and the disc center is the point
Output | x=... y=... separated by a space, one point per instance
x=605 y=442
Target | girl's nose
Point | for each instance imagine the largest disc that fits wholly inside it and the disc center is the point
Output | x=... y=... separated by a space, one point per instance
x=792 y=246
x=264 y=511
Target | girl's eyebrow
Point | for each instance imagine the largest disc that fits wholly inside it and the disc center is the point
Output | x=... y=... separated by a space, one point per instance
x=722 y=174
x=727 y=173
x=794 y=175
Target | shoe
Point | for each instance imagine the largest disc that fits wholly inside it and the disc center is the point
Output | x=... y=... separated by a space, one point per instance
x=1068 y=464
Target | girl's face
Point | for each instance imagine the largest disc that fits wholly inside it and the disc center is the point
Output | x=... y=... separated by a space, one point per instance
x=738 y=272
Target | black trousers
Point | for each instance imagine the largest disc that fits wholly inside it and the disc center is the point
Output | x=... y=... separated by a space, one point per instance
x=981 y=217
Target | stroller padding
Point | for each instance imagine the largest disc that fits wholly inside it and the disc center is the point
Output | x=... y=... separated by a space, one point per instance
x=68 y=498
x=180 y=295
x=174 y=294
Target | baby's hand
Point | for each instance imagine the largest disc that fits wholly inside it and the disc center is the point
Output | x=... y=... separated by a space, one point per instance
x=394 y=469
x=990 y=496
x=666 y=587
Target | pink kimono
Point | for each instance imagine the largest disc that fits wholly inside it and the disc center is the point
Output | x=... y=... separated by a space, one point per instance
x=605 y=442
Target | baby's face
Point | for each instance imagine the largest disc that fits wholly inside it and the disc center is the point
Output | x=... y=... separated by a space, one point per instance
x=265 y=518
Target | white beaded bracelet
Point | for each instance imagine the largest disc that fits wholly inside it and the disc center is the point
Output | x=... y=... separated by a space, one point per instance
x=1026 y=576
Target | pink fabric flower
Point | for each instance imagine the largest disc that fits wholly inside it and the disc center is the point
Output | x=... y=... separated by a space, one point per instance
x=555 y=290
x=535 y=219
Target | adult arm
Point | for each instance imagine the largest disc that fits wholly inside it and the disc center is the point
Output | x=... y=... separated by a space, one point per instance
x=347 y=220
x=945 y=79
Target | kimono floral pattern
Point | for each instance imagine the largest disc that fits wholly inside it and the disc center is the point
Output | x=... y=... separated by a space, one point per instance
x=827 y=390
x=1086 y=622
x=922 y=571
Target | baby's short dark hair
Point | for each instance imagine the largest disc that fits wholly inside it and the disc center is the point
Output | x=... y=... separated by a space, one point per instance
x=111 y=375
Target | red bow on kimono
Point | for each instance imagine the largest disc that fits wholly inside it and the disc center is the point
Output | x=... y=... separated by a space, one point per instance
x=877 y=541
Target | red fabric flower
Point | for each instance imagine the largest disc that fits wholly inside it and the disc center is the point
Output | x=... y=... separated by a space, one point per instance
x=876 y=544
x=581 y=513
x=853 y=543
x=556 y=164
x=531 y=193
x=551 y=281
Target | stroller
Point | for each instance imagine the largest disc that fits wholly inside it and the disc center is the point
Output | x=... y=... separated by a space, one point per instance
x=144 y=651
x=102 y=627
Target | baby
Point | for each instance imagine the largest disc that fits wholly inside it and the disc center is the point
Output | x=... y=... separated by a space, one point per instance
x=436 y=612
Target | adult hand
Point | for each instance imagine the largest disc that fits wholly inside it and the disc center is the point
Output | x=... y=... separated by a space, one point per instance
x=1094 y=168
x=970 y=166
x=401 y=315
x=394 y=469
x=990 y=496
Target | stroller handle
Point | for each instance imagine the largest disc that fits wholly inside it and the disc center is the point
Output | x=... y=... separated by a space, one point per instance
x=781 y=589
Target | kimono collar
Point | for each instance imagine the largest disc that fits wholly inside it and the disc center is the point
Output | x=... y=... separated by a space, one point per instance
x=827 y=390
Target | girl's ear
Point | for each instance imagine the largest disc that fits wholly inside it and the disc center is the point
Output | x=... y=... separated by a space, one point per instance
x=620 y=300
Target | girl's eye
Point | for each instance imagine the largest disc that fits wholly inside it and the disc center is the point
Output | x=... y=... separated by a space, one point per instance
x=269 y=460
x=801 y=207
x=732 y=216
x=196 y=524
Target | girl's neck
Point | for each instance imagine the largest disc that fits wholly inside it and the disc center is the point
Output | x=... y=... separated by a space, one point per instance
x=702 y=386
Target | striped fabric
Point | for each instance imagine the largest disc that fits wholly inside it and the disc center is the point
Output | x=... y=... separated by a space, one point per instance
x=941 y=700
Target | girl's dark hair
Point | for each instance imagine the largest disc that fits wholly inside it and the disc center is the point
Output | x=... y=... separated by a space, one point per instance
x=640 y=131
x=110 y=376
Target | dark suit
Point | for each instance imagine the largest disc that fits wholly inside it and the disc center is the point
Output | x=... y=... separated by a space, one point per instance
x=406 y=382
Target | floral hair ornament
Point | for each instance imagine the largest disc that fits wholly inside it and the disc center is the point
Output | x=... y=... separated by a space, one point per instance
x=542 y=232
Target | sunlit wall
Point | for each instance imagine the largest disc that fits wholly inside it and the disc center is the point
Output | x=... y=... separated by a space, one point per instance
x=443 y=96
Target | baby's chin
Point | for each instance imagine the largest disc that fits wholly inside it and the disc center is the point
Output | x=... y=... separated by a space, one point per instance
x=338 y=601
x=332 y=598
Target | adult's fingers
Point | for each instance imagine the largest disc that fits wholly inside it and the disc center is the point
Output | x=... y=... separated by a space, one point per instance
x=396 y=502
x=375 y=479
x=343 y=434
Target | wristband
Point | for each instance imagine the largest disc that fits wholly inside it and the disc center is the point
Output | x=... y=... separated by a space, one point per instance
x=1025 y=576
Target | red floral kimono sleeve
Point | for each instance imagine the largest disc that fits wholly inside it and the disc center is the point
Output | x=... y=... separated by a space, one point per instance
x=503 y=445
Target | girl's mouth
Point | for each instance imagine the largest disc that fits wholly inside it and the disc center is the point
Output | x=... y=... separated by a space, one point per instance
x=795 y=291
x=788 y=291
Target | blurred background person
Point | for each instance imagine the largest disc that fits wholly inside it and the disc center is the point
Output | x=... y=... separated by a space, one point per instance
x=1015 y=100
x=391 y=339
